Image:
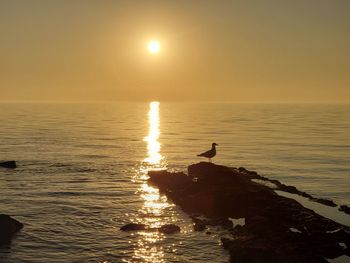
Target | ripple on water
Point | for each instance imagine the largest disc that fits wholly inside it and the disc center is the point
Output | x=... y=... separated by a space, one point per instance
x=79 y=181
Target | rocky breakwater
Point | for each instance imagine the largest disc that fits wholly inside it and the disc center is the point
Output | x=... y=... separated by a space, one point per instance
x=277 y=229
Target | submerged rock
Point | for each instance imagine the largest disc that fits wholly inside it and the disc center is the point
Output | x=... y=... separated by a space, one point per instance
x=169 y=229
x=165 y=229
x=133 y=227
x=285 y=188
x=199 y=226
x=8 y=227
x=220 y=193
x=345 y=209
x=325 y=202
x=8 y=164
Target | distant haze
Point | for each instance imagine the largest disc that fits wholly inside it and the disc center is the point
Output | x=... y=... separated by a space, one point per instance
x=241 y=51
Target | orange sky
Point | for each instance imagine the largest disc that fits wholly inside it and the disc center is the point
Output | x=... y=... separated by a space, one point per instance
x=241 y=51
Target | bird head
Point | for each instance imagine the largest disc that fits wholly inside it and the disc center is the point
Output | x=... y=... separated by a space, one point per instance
x=214 y=144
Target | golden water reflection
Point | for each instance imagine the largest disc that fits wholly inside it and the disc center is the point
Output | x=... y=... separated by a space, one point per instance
x=153 y=146
x=153 y=212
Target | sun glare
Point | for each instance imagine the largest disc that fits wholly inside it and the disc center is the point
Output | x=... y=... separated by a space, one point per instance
x=153 y=47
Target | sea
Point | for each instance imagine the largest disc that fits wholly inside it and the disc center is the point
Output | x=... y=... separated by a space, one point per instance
x=82 y=171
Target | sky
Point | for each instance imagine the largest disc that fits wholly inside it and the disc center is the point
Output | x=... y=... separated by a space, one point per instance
x=239 y=51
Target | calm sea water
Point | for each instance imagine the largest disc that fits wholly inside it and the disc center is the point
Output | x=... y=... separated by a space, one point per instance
x=82 y=171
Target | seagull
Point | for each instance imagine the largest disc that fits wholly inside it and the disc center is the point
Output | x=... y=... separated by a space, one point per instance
x=211 y=153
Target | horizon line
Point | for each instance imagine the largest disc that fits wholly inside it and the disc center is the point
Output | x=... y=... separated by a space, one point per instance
x=166 y=101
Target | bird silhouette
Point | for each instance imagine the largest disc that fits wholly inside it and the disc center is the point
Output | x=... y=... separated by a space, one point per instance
x=211 y=153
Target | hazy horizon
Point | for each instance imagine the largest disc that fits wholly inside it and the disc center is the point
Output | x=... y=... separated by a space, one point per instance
x=175 y=101
x=228 y=51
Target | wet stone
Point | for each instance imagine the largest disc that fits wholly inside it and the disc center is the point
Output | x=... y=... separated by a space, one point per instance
x=345 y=209
x=133 y=227
x=8 y=227
x=169 y=229
x=8 y=164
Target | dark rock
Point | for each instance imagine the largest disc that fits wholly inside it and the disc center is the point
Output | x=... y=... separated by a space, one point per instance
x=226 y=242
x=242 y=169
x=169 y=180
x=276 y=182
x=259 y=253
x=205 y=171
x=208 y=233
x=238 y=230
x=199 y=227
x=220 y=193
x=306 y=195
x=224 y=222
x=8 y=164
x=325 y=202
x=169 y=229
x=133 y=227
x=254 y=173
x=165 y=229
x=8 y=227
x=345 y=209
x=288 y=188
x=198 y=224
x=285 y=188
x=250 y=249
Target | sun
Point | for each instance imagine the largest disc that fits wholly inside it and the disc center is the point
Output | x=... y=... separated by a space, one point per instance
x=153 y=47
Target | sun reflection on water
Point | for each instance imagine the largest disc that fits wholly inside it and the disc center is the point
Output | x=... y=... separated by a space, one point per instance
x=153 y=146
x=153 y=212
